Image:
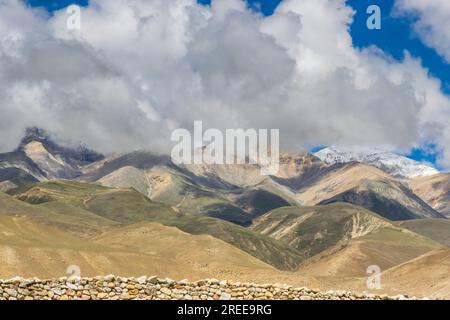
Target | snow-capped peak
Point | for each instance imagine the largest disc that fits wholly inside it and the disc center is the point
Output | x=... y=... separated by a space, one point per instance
x=396 y=165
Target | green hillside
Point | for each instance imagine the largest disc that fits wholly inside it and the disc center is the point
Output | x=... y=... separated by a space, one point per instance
x=312 y=230
x=80 y=205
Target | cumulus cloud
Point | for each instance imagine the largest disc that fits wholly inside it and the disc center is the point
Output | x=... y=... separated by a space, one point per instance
x=433 y=23
x=138 y=69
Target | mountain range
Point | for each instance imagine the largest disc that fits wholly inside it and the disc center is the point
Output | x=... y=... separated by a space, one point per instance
x=322 y=219
x=396 y=165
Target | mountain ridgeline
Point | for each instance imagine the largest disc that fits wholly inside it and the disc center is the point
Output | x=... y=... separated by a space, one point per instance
x=320 y=217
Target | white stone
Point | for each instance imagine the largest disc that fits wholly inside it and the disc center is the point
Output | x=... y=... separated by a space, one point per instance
x=141 y=280
x=225 y=296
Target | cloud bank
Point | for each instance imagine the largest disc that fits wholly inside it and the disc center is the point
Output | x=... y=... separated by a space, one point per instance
x=137 y=69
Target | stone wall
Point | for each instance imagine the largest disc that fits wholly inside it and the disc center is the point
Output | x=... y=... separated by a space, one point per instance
x=120 y=288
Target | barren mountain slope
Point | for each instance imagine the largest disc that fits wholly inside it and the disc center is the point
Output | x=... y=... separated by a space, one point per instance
x=18 y=160
x=314 y=229
x=198 y=189
x=31 y=249
x=139 y=159
x=384 y=248
x=436 y=229
x=127 y=206
x=230 y=192
x=434 y=190
x=298 y=170
x=368 y=187
x=342 y=239
x=11 y=178
x=242 y=175
x=427 y=275
x=200 y=254
x=53 y=166
x=127 y=177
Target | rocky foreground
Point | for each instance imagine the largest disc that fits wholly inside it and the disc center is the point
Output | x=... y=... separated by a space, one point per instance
x=153 y=288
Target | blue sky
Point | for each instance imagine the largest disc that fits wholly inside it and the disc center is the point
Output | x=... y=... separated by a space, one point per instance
x=52 y=5
x=394 y=38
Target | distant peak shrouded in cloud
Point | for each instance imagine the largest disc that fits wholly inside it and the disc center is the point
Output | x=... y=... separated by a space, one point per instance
x=138 y=69
x=75 y=151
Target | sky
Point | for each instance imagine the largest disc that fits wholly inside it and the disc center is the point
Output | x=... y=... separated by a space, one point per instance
x=401 y=71
x=395 y=36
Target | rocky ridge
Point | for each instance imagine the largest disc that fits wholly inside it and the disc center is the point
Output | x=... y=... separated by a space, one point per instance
x=153 y=288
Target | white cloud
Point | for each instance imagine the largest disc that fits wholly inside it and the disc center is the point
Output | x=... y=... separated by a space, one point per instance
x=433 y=22
x=139 y=68
x=433 y=28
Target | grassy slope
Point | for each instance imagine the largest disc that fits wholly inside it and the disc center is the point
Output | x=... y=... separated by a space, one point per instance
x=169 y=186
x=130 y=206
x=427 y=275
x=43 y=250
x=34 y=242
x=66 y=217
x=127 y=206
x=436 y=229
x=385 y=248
x=342 y=239
x=314 y=229
x=30 y=249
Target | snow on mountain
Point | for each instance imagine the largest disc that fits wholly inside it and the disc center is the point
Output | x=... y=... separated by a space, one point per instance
x=396 y=165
